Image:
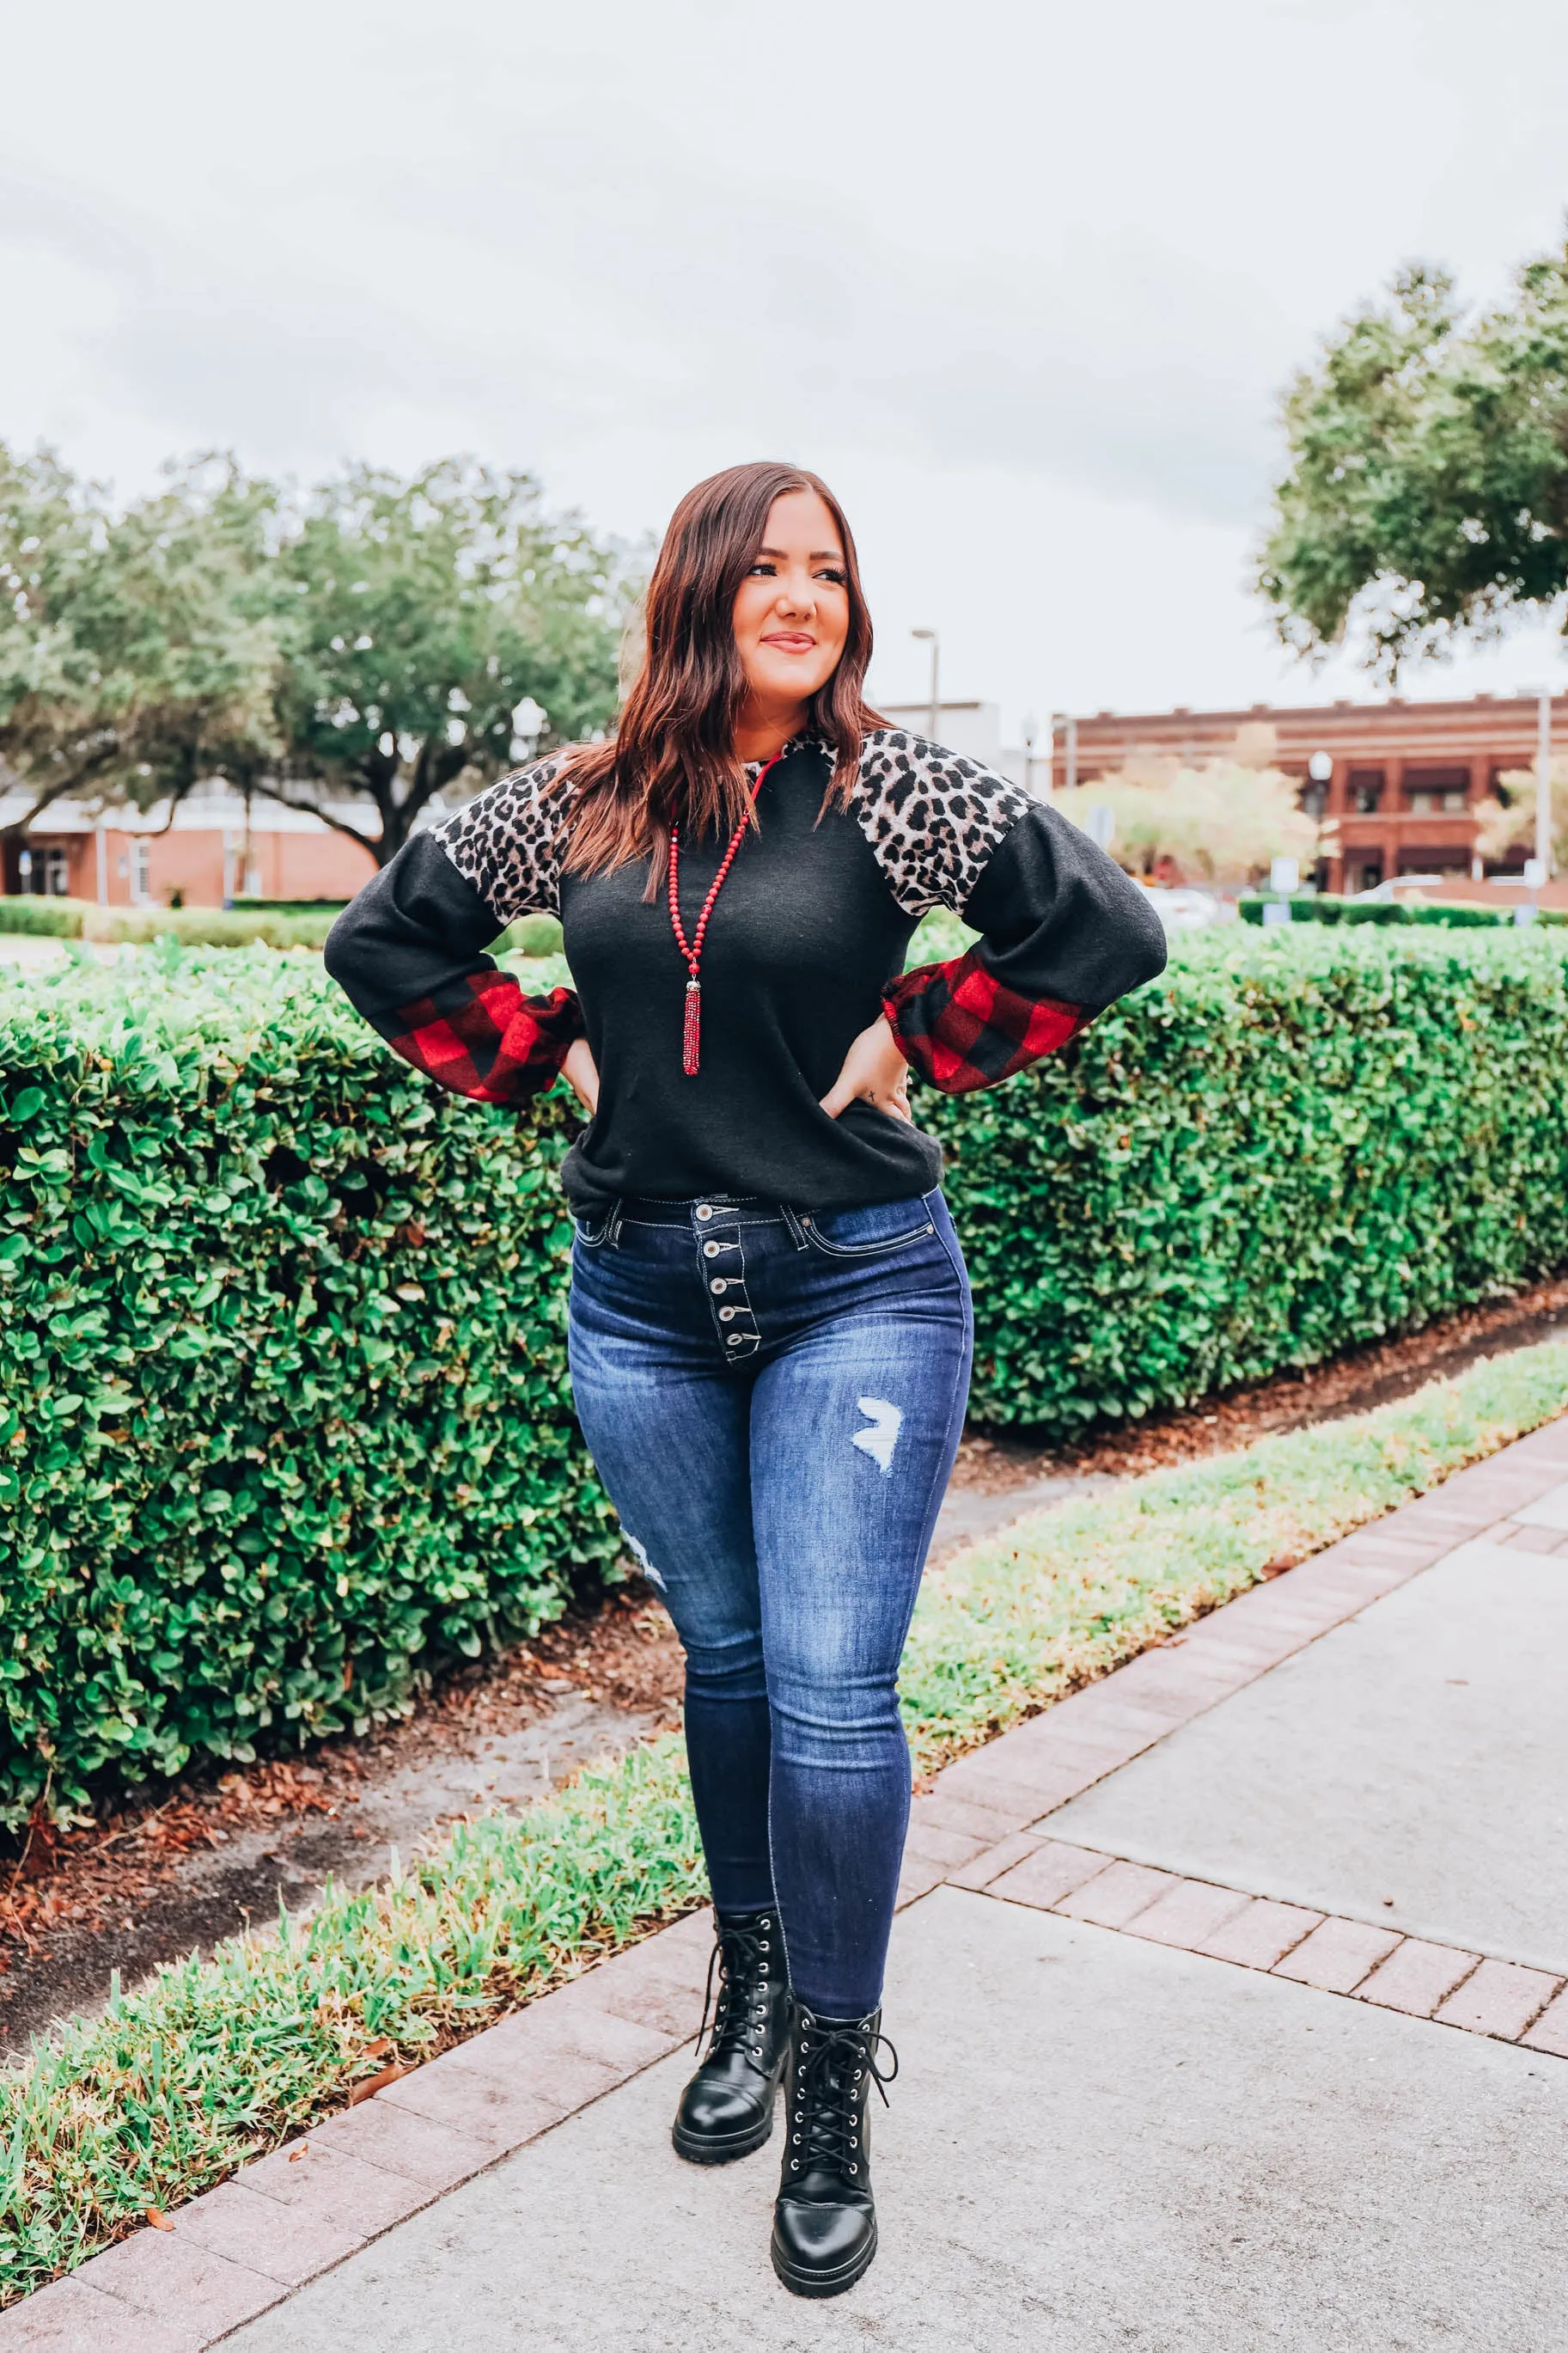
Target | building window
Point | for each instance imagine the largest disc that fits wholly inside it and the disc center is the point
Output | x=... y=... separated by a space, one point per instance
x=141 y=872
x=1366 y=792
x=45 y=873
x=1363 y=874
x=1438 y=792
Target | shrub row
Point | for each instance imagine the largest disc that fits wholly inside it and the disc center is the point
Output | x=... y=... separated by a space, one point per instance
x=286 y=1414
x=1318 y=907
x=286 y=1409
x=277 y=925
x=1293 y=1141
x=81 y=919
x=215 y=2061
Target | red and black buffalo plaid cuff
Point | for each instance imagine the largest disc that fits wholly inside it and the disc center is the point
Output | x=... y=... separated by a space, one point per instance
x=481 y=1037
x=961 y=1029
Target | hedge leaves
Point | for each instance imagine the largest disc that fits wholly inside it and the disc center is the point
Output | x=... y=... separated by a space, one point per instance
x=285 y=1411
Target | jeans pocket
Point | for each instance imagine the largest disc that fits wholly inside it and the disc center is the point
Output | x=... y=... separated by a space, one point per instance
x=868 y=1233
x=593 y=1233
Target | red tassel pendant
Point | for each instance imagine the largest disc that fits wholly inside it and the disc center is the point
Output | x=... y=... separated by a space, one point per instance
x=691 y=1033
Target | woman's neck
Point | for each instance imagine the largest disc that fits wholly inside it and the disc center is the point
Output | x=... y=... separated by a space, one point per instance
x=761 y=735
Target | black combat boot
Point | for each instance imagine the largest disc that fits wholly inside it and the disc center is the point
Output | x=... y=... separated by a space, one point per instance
x=824 y=2224
x=727 y=2109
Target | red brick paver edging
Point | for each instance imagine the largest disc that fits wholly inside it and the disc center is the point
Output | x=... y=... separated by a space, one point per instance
x=301 y=2210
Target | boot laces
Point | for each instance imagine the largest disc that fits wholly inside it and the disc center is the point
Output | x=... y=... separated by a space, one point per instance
x=743 y=1957
x=835 y=2068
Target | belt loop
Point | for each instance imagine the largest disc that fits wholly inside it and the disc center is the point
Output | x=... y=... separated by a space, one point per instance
x=612 y=1223
x=796 y=1231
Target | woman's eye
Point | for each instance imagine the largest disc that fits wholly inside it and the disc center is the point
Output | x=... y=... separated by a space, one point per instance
x=831 y=572
x=766 y=570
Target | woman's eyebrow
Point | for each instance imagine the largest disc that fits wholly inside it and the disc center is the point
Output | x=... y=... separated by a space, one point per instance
x=818 y=555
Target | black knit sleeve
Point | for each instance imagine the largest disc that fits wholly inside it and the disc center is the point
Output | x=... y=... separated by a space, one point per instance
x=409 y=955
x=1064 y=934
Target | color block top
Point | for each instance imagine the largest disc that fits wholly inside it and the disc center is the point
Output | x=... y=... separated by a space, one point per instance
x=806 y=947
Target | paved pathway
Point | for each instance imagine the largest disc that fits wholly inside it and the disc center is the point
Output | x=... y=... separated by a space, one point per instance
x=1231 y=1998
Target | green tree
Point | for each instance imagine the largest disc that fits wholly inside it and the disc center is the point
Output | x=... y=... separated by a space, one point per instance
x=1224 y=822
x=1507 y=819
x=1426 y=499
x=138 y=647
x=423 y=618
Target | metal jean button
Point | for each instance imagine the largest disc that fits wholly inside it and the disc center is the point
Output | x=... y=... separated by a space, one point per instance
x=719 y=1283
x=704 y=1211
x=711 y=1249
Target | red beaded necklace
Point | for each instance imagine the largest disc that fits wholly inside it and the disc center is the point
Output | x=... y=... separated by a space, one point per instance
x=691 y=1031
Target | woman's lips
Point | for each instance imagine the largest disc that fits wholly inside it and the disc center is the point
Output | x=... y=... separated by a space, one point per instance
x=791 y=641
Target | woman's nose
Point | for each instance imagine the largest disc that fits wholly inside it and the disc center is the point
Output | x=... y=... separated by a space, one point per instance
x=797 y=596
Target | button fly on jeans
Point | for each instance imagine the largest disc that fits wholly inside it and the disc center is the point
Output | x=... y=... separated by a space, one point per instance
x=704 y=1211
x=719 y=1283
x=711 y=1249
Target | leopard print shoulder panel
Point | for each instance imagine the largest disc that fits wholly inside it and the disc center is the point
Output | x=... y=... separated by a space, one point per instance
x=933 y=818
x=506 y=841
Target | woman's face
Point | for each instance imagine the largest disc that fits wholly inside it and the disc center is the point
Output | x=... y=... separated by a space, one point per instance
x=792 y=613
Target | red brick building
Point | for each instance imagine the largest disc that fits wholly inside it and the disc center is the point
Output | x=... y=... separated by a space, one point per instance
x=1403 y=781
x=212 y=853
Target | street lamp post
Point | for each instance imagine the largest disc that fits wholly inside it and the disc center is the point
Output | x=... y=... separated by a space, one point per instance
x=1541 y=861
x=929 y=635
x=1031 y=728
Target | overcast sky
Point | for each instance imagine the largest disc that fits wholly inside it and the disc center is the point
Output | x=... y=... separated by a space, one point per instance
x=1022 y=279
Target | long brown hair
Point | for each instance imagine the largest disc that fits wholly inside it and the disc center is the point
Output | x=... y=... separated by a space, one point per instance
x=673 y=759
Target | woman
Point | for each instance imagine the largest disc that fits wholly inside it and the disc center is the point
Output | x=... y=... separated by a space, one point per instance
x=770 y=1319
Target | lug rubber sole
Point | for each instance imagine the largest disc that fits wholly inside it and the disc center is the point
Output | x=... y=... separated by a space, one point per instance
x=804 y=2283
x=703 y=2149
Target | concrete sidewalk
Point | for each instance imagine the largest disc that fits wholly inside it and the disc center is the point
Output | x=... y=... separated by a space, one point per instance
x=1230 y=2000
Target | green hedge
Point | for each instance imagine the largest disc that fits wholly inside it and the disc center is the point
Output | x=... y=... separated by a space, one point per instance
x=79 y=919
x=328 y=907
x=285 y=1410
x=280 y=923
x=286 y=1406
x=1292 y=1141
x=47 y=918
x=1318 y=907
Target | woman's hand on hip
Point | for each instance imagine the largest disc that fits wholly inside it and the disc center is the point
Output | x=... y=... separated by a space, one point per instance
x=874 y=1072
x=580 y=1073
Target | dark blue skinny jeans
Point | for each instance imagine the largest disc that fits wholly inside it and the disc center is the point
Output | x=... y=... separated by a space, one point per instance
x=774 y=1401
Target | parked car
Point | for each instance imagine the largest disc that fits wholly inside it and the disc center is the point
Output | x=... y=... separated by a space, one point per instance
x=1382 y=892
x=1183 y=910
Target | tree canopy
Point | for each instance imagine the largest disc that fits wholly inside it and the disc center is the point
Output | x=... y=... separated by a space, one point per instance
x=354 y=649
x=1224 y=822
x=1507 y=819
x=1426 y=498
x=436 y=629
x=137 y=646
